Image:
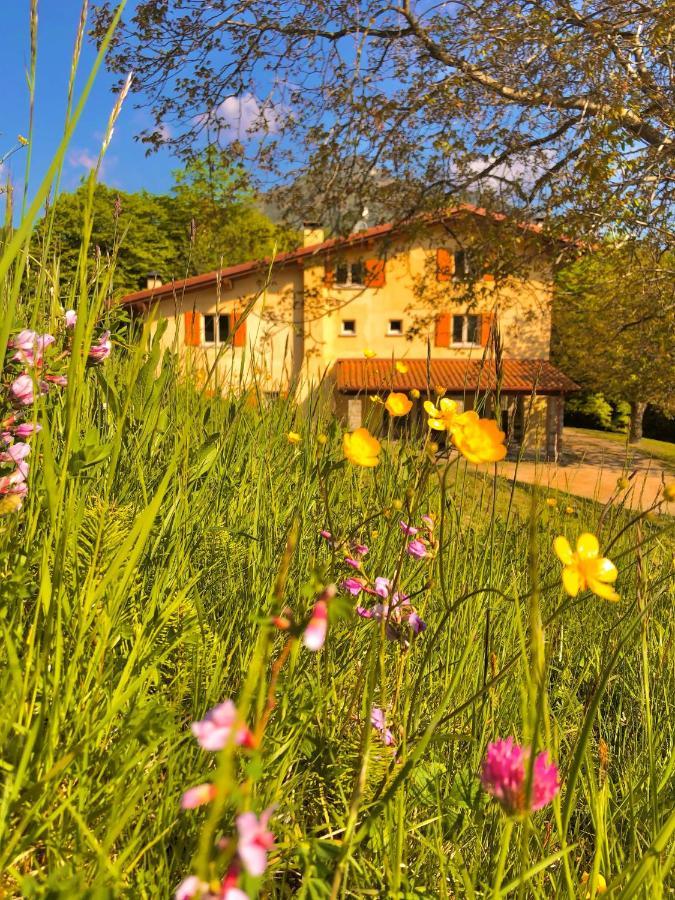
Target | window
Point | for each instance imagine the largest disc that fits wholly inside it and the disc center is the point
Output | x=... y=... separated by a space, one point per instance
x=216 y=325
x=462 y=268
x=348 y=328
x=465 y=329
x=350 y=274
x=395 y=327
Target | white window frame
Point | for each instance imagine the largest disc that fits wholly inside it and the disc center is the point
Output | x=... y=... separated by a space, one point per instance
x=344 y=332
x=393 y=333
x=349 y=283
x=465 y=330
x=216 y=342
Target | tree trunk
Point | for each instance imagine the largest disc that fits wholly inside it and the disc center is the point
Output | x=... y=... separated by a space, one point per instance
x=637 y=411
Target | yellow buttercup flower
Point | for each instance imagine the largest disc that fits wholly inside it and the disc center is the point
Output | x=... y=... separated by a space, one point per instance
x=600 y=883
x=414 y=394
x=669 y=492
x=293 y=437
x=398 y=405
x=551 y=501
x=401 y=367
x=478 y=440
x=368 y=353
x=22 y=140
x=443 y=416
x=585 y=568
x=361 y=448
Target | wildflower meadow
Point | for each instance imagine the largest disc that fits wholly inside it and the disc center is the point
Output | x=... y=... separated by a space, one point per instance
x=247 y=652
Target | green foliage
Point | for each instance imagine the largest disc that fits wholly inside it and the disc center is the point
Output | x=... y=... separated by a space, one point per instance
x=594 y=411
x=228 y=226
x=209 y=220
x=614 y=323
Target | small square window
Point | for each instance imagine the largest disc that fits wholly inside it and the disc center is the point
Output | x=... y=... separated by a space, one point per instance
x=395 y=326
x=348 y=328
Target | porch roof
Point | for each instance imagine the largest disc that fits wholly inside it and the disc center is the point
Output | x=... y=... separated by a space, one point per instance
x=519 y=376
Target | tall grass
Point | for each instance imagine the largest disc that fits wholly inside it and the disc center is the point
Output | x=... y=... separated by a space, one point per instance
x=162 y=531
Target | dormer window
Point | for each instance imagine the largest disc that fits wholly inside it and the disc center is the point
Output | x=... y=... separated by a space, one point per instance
x=350 y=274
x=395 y=327
x=348 y=328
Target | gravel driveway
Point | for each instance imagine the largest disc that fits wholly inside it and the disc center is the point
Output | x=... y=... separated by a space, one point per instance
x=591 y=466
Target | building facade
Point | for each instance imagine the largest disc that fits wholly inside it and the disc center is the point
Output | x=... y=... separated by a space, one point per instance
x=344 y=312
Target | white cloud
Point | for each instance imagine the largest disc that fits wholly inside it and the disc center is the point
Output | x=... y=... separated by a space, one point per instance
x=82 y=159
x=242 y=116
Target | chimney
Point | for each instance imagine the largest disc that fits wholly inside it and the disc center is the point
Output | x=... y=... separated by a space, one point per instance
x=312 y=233
x=153 y=280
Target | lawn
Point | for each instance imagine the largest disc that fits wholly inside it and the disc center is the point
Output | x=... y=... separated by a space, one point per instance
x=168 y=557
x=242 y=658
x=661 y=450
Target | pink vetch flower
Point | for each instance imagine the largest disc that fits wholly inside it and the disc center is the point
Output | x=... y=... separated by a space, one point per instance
x=326 y=535
x=193 y=887
x=255 y=840
x=354 y=563
x=27 y=429
x=30 y=347
x=378 y=721
x=353 y=585
x=417 y=623
x=429 y=522
x=396 y=616
x=70 y=318
x=16 y=453
x=504 y=777
x=382 y=586
x=22 y=390
x=360 y=550
x=417 y=549
x=407 y=529
x=58 y=380
x=14 y=483
x=314 y=636
x=198 y=796
x=100 y=351
x=214 y=731
x=24 y=340
x=229 y=889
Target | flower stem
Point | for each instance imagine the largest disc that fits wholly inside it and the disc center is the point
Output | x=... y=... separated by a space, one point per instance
x=501 y=862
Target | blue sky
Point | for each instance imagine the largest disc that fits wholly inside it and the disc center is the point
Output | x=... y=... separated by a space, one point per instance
x=126 y=165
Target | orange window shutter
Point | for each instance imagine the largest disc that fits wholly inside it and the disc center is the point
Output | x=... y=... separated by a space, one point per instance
x=443 y=323
x=374 y=273
x=485 y=328
x=239 y=338
x=329 y=274
x=445 y=264
x=193 y=329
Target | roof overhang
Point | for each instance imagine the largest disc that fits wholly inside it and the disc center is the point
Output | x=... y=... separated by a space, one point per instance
x=454 y=376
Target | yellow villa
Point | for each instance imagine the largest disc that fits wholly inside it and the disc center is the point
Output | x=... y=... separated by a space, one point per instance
x=393 y=307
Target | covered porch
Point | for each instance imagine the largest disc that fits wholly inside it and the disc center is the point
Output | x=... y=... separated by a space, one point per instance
x=530 y=395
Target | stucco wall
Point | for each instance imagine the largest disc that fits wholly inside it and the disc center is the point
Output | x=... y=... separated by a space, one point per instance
x=295 y=325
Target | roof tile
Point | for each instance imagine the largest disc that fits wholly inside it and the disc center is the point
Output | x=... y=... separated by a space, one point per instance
x=454 y=375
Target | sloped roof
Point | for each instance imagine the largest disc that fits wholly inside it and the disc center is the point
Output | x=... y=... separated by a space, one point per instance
x=454 y=375
x=302 y=253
